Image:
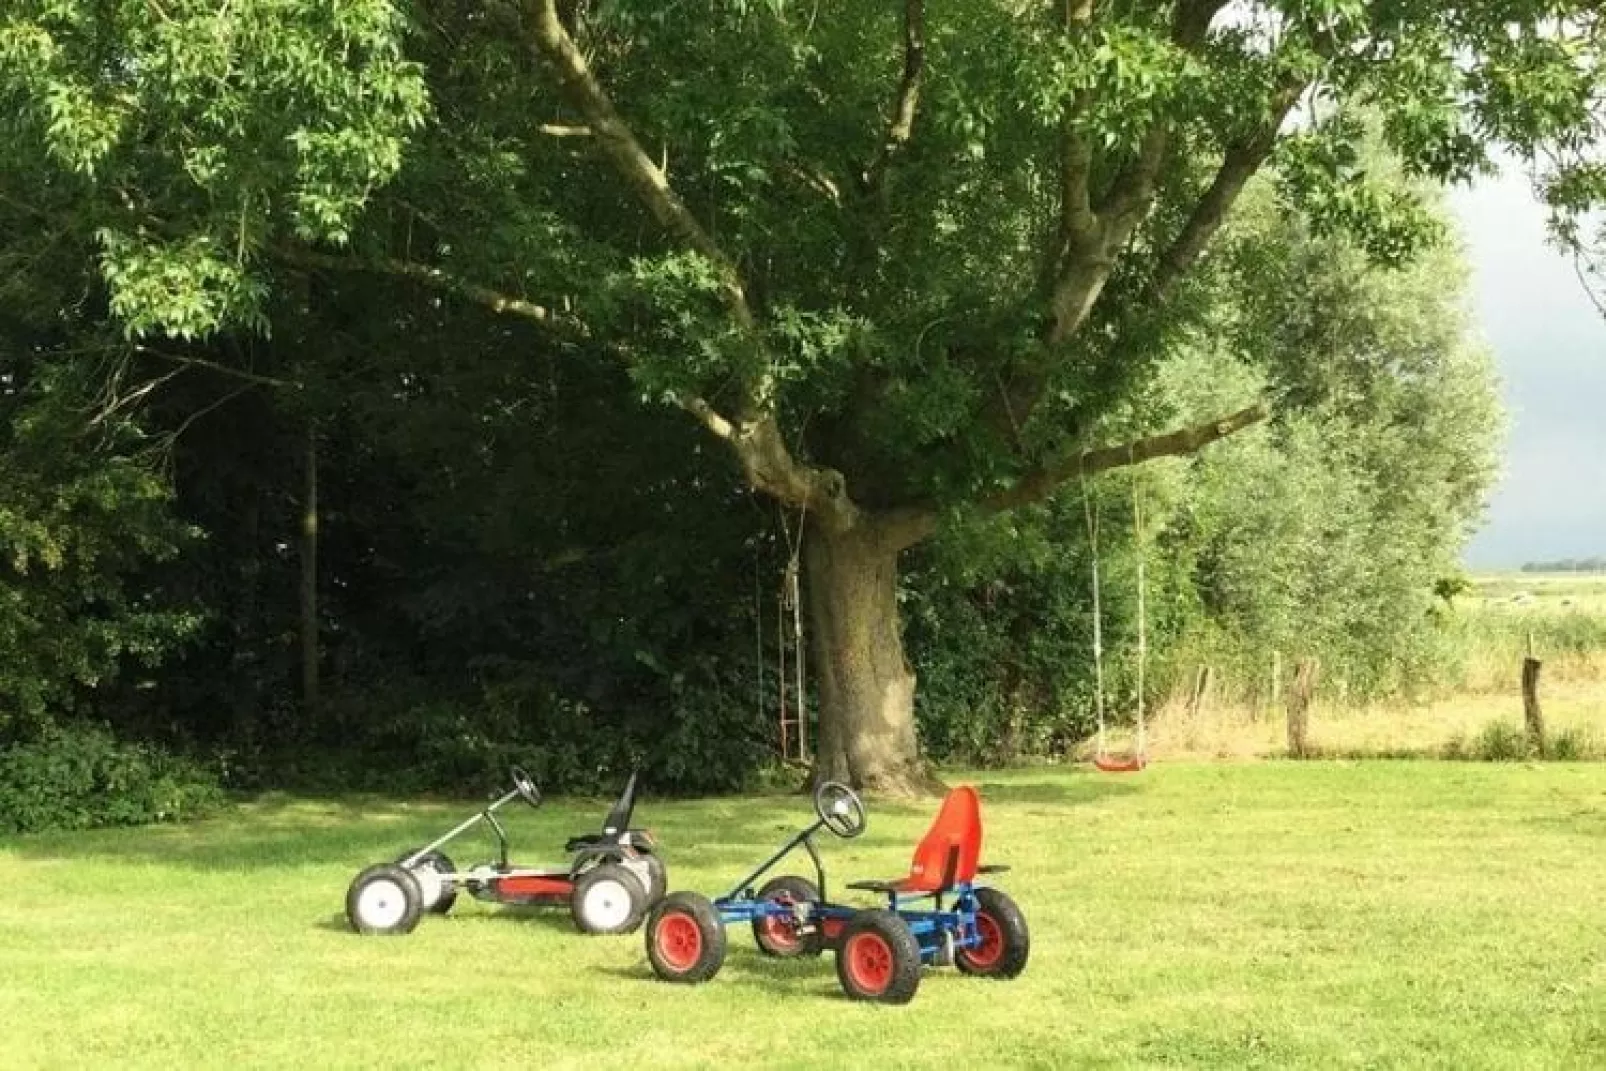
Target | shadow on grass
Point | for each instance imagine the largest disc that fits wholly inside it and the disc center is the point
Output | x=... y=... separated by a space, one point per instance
x=729 y=835
x=555 y=918
x=1063 y=790
x=750 y=969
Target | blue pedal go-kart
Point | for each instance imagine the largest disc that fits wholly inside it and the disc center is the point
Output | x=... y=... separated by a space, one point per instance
x=936 y=914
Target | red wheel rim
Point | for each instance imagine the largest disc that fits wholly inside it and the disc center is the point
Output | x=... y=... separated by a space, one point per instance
x=869 y=961
x=990 y=948
x=679 y=941
x=780 y=931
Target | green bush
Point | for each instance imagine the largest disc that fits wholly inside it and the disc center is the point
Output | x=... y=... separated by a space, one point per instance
x=701 y=735
x=1505 y=741
x=1502 y=741
x=1574 y=745
x=81 y=777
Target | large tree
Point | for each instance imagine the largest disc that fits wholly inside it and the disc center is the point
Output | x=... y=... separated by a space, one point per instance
x=903 y=263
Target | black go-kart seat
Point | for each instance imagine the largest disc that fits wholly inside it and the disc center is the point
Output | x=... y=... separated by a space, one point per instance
x=616 y=831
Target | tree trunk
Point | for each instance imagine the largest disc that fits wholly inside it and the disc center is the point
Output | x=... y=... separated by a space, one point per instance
x=1299 y=697
x=866 y=701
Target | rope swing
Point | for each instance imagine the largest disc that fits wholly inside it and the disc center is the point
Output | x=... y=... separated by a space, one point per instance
x=794 y=724
x=1137 y=758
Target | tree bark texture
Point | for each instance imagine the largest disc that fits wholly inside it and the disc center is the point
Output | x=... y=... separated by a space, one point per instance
x=866 y=686
x=1299 y=697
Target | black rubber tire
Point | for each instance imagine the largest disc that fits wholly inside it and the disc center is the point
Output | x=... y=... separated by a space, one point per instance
x=792 y=889
x=997 y=913
x=375 y=888
x=659 y=873
x=441 y=864
x=892 y=947
x=676 y=956
x=591 y=884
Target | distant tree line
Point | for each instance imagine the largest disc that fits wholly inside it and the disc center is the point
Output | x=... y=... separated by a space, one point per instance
x=1567 y=565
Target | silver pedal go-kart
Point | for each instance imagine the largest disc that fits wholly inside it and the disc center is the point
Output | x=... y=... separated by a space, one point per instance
x=613 y=878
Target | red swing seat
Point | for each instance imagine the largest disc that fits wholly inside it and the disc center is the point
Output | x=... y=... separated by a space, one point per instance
x=1132 y=763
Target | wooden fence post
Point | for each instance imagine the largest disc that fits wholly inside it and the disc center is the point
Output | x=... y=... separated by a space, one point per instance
x=1532 y=717
x=1276 y=677
x=1299 y=697
x=1201 y=691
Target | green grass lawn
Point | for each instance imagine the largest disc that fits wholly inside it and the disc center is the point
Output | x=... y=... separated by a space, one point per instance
x=1261 y=915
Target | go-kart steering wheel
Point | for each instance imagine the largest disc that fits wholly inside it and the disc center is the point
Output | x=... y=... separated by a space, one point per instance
x=526 y=787
x=840 y=808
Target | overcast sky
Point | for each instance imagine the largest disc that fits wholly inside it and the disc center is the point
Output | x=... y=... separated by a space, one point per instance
x=1550 y=343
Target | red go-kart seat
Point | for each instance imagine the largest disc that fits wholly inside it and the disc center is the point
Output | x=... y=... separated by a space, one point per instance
x=949 y=852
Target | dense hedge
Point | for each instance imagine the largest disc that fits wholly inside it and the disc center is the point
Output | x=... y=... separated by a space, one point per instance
x=81 y=777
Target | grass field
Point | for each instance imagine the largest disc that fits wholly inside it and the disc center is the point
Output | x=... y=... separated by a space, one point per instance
x=1563 y=615
x=1573 y=706
x=1264 y=915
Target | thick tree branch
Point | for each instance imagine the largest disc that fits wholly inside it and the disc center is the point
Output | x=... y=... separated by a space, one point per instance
x=910 y=525
x=754 y=434
x=1210 y=212
x=1077 y=221
x=1093 y=237
x=551 y=42
x=1039 y=484
x=1078 y=224
x=708 y=417
x=1130 y=195
x=901 y=123
x=903 y=528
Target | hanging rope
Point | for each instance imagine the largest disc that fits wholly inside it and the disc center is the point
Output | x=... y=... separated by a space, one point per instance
x=791 y=599
x=1090 y=515
x=1102 y=758
x=1143 y=612
x=758 y=629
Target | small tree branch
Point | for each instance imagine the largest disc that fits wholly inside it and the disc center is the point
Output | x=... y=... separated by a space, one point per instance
x=494 y=300
x=901 y=123
x=1040 y=483
x=559 y=130
x=816 y=180
x=221 y=369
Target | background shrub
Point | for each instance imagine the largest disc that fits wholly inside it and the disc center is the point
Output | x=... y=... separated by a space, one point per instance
x=81 y=777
